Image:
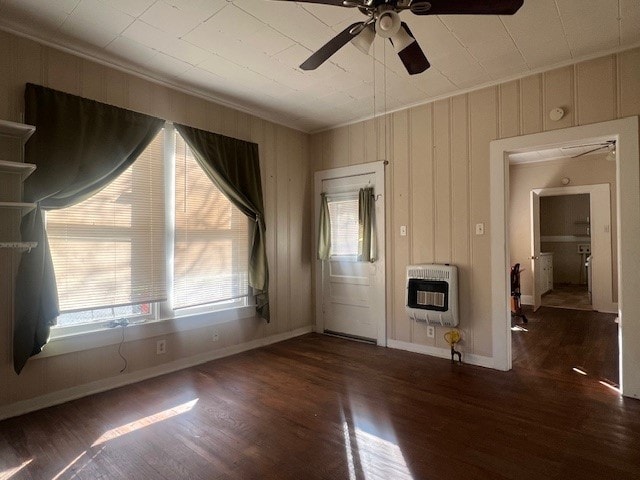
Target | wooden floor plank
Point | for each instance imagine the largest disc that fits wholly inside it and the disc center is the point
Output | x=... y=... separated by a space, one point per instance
x=319 y=407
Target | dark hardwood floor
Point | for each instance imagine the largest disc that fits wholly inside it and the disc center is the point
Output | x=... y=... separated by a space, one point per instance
x=318 y=407
x=562 y=343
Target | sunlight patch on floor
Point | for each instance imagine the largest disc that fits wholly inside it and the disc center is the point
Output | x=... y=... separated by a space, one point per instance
x=372 y=449
x=610 y=385
x=7 y=474
x=348 y=452
x=145 y=422
x=71 y=464
x=380 y=458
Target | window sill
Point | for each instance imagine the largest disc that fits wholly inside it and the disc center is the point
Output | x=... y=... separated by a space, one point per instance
x=102 y=337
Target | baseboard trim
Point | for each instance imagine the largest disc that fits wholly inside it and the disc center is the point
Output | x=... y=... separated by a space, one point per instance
x=79 y=391
x=470 y=358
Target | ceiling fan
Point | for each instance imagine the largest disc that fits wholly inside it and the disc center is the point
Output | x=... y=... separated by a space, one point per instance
x=383 y=19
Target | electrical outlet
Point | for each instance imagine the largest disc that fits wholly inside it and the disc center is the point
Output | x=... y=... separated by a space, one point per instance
x=431 y=331
x=215 y=337
x=161 y=347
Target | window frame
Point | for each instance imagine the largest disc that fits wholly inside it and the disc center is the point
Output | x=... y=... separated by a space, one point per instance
x=163 y=317
x=349 y=195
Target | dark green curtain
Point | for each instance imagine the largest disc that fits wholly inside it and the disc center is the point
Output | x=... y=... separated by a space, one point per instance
x=233 y=166
x=79 y=147
x=324 y=229
x=366 y=225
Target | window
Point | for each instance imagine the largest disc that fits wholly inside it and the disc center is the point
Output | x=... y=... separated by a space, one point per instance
x=108 y=251
x=211 y=242
x=143 y=245
x=343 y=215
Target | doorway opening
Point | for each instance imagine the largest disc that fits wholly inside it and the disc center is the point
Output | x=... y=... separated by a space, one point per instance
x=566 y=209
x=625 y=134
x=572 y=231
x=565 y=239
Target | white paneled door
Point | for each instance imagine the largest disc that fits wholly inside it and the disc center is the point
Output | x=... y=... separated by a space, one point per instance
x=350 y=294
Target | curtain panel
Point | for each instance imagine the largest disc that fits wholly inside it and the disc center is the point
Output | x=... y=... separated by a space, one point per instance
x=233 y=166
x=366 y=225
x=79 y=147
x=324 y=229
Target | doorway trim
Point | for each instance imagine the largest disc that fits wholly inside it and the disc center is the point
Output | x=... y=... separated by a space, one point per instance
x=625 y=132
x=600 y=212
x=377 y=169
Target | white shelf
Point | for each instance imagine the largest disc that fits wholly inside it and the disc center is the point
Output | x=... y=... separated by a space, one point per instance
x=21 y=171
x=24 y=207
x=22 y=246
x=18 y=130
x=24 y=169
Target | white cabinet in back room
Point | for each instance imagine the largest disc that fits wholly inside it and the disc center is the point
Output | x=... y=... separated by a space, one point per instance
x=546 y=277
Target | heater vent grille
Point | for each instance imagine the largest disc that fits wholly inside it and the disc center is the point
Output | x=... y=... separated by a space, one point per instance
x=430 y=273
x=435 y=299
x=432 y=294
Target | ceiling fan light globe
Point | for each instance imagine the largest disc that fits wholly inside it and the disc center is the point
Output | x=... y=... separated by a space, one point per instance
x=364 y=40
x=388 y=24
x=401 y=40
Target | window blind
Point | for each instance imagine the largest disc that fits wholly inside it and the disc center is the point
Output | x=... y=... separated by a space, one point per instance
x=211 y=244
x=343 y=214
x=109 y=249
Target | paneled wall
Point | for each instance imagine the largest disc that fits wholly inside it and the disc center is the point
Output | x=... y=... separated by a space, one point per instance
x=438 y=175
x=286 y=180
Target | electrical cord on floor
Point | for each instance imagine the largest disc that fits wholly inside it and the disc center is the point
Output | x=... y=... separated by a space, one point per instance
x=122 y=323
x=120 y=351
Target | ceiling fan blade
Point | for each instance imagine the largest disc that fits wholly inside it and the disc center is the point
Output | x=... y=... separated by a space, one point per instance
x=331 y=47
x=409 y=51
x=466 y=7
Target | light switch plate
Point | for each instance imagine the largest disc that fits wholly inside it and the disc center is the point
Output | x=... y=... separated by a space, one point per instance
x=479 y=228
x=403 y=230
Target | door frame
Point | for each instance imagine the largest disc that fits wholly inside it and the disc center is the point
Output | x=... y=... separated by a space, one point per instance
x=625 y=132
x=534 y=212
x=600 y=213
x=376 y=169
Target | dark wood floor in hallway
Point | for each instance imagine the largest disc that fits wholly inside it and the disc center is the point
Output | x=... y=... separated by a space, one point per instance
x=568 y=344
x=318 y=407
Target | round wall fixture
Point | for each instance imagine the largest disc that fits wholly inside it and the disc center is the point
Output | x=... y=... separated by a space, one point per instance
x=565 y=180
x=556 y=114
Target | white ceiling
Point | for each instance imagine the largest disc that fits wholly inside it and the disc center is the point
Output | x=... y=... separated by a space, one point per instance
x=246 y=53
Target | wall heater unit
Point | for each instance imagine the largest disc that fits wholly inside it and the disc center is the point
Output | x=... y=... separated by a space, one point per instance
x=432 y=294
